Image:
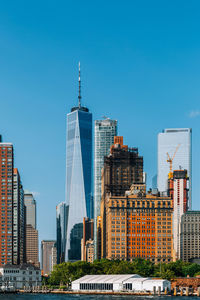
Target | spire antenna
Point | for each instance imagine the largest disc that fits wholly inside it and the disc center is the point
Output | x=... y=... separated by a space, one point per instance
x=79 y=83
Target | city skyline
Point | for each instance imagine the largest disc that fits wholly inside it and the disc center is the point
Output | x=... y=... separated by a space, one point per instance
x=145 y=77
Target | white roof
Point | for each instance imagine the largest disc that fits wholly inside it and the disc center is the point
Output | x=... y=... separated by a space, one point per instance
x=135 y=280
x=105 y=278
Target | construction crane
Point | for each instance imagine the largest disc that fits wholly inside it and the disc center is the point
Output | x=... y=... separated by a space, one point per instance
x=170 y=159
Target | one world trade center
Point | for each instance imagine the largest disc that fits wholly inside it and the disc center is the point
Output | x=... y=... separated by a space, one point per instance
x=78 y=175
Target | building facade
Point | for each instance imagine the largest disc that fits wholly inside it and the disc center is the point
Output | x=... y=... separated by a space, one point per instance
x=104 y=133
x=138 y=224
x=61 y=229
x=178 y=191
x=6 y=203
x=31 y=230
x=87 y=242
x=169 y=141
x=32 y=255
x=78 y=176
x=48 y=256
x=14 y=277
x=190 y=236
x=19 y=222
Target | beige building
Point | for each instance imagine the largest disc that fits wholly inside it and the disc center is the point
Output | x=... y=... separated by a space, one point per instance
x=32 y=245
x=190 y=237
x=48 y=256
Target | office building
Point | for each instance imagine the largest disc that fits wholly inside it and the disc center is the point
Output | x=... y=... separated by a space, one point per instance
x=6 y=203
x=48 y=256
x=19 y=225
x=32 y=256
x=61 y=229
x=122 y=167
x=78 y=175
x=87 y=242
x=178 y=191
x=31 y=230
x=190 y=237
x=104 y=133
x=177 y=142
x=137 y=224
x=30 y=204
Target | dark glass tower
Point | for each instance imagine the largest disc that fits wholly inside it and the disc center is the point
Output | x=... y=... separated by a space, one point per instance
x=78 y=176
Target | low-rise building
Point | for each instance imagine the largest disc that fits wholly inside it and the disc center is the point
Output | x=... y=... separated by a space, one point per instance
x=120 y=283
x=19 y=277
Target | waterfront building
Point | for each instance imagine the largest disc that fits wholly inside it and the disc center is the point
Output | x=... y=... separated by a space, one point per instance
x=178 y=191
x=137 y=224
x=61 y=229
x=19 y=225
x=176 y=141
x=87 y=242
x=120 y=283
x=190 y=236
x=104 y=132
x=78 y=175
x=6 y=203
x=16 y=277
x=48 y=256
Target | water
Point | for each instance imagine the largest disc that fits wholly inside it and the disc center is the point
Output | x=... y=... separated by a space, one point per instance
x=86 y=297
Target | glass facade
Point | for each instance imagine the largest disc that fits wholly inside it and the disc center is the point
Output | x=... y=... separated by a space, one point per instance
x=61 y=226
x=105 y=130
x=168 y=141
x=78 y=177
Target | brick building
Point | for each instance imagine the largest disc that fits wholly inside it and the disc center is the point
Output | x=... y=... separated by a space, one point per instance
x=137 y=225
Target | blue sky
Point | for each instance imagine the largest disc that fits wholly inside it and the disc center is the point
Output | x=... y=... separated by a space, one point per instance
x=140 y=65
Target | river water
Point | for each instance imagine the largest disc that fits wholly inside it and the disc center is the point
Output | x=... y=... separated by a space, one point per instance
x=86 y=297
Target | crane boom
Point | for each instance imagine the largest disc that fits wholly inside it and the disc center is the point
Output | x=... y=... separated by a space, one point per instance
x=170 y=159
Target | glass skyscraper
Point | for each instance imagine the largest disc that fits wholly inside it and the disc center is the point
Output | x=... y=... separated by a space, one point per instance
x=105 y=130
x=168 y=141
x=78 y=176
x=61 y=227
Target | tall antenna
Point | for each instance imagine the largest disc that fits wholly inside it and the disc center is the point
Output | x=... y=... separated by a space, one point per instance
x=79 y=83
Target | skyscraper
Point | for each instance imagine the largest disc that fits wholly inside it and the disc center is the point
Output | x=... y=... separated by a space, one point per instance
x=31 y=231
x=178 y=190
x=61 y=227
x=19 y=225
x=78 y=175
x=168 y=141
x=6 y=203
x=104 y=133
x=48 y=256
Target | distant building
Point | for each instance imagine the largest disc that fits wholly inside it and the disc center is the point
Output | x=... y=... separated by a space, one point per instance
x=48 y=256
x=14 y=277
x=178 y=191
x=32 y=256
x=78 y=175
x=31 y=231
x=168 y=141
x=190 y=236
x=30 y=204
x=19 y=221
x=61 y=229
x=104 y=133
x=137 y=224
x=87 y=242
x=6 y=203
